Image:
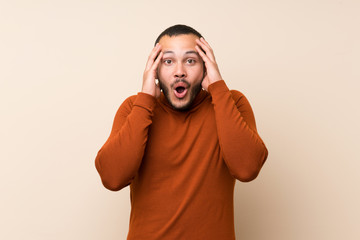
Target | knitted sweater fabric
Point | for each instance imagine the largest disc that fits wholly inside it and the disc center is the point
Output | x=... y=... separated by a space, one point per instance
x=182 y=165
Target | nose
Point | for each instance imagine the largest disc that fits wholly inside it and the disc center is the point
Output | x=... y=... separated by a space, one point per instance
x=180 y=71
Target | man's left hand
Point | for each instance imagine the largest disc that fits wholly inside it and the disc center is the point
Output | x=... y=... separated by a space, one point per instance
x=212 y=73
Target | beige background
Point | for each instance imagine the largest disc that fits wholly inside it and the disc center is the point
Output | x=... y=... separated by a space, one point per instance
x=66 y=66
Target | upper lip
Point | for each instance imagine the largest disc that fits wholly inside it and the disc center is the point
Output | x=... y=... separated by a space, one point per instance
x=180 y=84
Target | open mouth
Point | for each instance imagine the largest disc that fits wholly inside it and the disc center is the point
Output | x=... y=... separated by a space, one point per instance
x=180 y=90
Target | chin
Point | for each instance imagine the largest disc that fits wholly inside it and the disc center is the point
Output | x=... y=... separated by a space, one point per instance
x=184 y=106
x=185 y=103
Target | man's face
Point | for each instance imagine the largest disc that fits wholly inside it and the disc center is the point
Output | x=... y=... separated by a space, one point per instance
x=181 y=70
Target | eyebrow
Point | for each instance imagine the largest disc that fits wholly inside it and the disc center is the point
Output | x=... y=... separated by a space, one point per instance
x=187 y=52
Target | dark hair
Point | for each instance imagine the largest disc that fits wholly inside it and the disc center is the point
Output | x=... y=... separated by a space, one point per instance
x=177 y=30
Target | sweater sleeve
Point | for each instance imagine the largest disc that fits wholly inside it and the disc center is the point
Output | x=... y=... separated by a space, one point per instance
x=119 y=158
x=243 y=150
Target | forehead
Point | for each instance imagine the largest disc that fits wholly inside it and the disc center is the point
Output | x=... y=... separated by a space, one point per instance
x=178 y=43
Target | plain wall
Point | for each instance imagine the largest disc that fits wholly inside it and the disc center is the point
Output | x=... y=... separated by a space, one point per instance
x=66 y=66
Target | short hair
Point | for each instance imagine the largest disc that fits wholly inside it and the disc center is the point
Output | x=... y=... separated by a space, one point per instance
x=176 y=30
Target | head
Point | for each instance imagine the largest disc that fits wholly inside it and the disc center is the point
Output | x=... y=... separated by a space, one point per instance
x=181 y=70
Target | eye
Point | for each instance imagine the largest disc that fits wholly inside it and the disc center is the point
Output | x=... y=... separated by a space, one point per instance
x=190 y=61
x=167 y=61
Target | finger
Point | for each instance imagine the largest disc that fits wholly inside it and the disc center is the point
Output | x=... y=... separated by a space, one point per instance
x=156 y=63
x=153 y=55
x=207 y=49
x=153 y=50
x=205 y=42
x=202 y=54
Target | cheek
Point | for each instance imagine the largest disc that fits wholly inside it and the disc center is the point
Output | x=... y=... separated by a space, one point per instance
x=164 y=75
x=163 y=71
x=197 y=72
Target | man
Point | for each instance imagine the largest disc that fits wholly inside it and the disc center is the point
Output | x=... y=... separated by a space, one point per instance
x=181 y=144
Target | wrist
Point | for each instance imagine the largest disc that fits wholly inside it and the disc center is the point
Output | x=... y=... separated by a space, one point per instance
x=148 y=90
x=214 y=81
x=218 y=86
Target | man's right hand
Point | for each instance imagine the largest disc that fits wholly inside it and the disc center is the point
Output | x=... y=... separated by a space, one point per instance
x=149 y=86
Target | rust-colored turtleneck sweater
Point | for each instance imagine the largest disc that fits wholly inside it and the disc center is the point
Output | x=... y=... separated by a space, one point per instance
x=182 y=166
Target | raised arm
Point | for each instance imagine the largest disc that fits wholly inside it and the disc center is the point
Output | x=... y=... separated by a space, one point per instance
x=120 y=157
x=242 y=148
